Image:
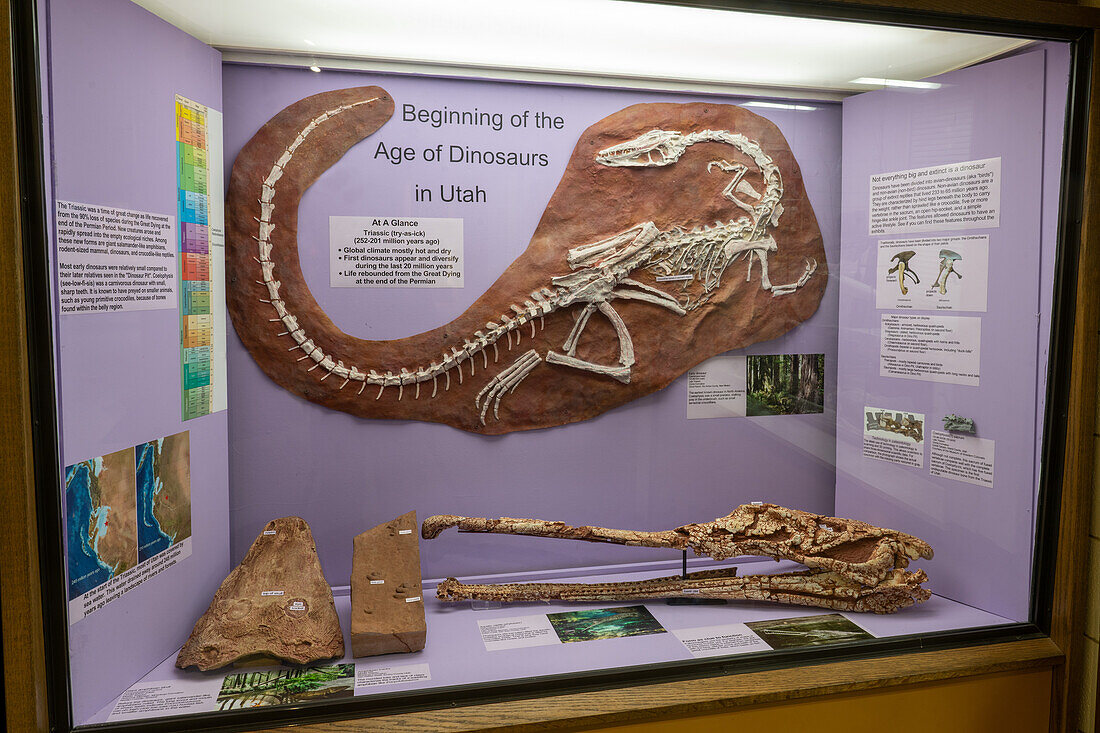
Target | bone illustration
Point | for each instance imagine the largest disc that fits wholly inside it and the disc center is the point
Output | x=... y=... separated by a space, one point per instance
x=851 y=565
x=903 y=269
x=901 y=423
x=947 y=268
x=616 y=227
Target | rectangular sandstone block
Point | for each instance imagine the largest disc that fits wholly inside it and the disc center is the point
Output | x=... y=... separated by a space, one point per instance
x=387 y=608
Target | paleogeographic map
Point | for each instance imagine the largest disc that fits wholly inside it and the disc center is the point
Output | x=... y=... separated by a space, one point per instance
x=101 y=524
x=163 y=469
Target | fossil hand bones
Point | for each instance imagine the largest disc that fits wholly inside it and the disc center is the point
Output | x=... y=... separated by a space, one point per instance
x=851 y=565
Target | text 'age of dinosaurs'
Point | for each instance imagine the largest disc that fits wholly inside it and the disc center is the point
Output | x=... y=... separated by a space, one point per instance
x=584 y=320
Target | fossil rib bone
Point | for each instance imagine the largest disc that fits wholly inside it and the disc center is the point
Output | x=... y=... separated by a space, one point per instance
x=848 y=560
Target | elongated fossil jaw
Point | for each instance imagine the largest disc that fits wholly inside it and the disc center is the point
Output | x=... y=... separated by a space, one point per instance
x=898 y=590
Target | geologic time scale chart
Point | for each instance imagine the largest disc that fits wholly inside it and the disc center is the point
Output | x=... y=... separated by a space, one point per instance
x=201 y=258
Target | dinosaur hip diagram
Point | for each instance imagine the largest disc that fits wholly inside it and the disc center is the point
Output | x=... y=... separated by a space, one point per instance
x=948 y=258
x=903 y=269
x=629 y=279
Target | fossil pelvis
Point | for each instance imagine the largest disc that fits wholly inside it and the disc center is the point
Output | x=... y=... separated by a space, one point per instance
x=677 y=232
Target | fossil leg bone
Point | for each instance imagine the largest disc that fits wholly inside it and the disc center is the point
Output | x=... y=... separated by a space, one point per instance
x=626 y=347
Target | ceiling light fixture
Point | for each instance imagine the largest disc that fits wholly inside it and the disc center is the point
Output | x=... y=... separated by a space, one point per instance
x=903 y=83
x=778 y=105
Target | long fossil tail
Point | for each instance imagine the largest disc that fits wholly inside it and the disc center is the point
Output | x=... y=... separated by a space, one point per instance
x=280 y=318
x=327 y=357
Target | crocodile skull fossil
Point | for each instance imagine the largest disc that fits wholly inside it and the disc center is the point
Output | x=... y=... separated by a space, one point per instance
x=851 y=565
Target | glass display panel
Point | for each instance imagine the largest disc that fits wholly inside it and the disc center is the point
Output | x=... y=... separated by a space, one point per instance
x=697 y=370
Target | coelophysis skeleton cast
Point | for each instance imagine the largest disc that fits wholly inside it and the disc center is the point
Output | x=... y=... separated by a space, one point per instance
x=657 y=202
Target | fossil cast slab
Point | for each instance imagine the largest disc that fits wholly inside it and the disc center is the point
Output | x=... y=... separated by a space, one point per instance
x=582 y=321
x=275 y=604
x=851 y=565
x=387 y=611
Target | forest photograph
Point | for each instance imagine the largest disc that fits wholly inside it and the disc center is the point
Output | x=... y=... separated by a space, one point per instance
x=785 y=384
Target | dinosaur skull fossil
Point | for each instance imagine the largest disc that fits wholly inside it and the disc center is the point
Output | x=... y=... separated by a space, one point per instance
x=639 y=152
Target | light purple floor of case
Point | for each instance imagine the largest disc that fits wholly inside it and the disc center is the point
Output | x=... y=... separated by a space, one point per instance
x=456 y=656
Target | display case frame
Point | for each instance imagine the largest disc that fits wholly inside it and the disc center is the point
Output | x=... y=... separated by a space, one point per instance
x=35 y=669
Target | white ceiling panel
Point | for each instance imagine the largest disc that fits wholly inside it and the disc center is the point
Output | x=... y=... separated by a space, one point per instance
x=653 y=45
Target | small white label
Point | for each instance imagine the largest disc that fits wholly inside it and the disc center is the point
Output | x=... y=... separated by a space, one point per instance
x=297 y=606
x=404 y=531
x=712 y=641
x=271 y=593
x=396 y=675
x=963 y=195
x=111 y=260
x=414 y=599
x=673 y=278
x=393 y=252
x=758 y=503
x=690 y=591
x=962 y=458
x=717 y=388
x=167 y=697
x=931 y=348
x=269 y=531
x=377 y=582
x=517 y=632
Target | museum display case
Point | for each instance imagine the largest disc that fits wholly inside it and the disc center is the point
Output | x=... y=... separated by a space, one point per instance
x=727 y=340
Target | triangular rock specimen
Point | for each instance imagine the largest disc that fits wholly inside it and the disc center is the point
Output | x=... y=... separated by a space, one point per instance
x=276 y=603
x=387 y=612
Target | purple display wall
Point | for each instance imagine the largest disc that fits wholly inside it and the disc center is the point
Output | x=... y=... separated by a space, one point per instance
x=641 y=466
x=1012 y=109
x=112 y=75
